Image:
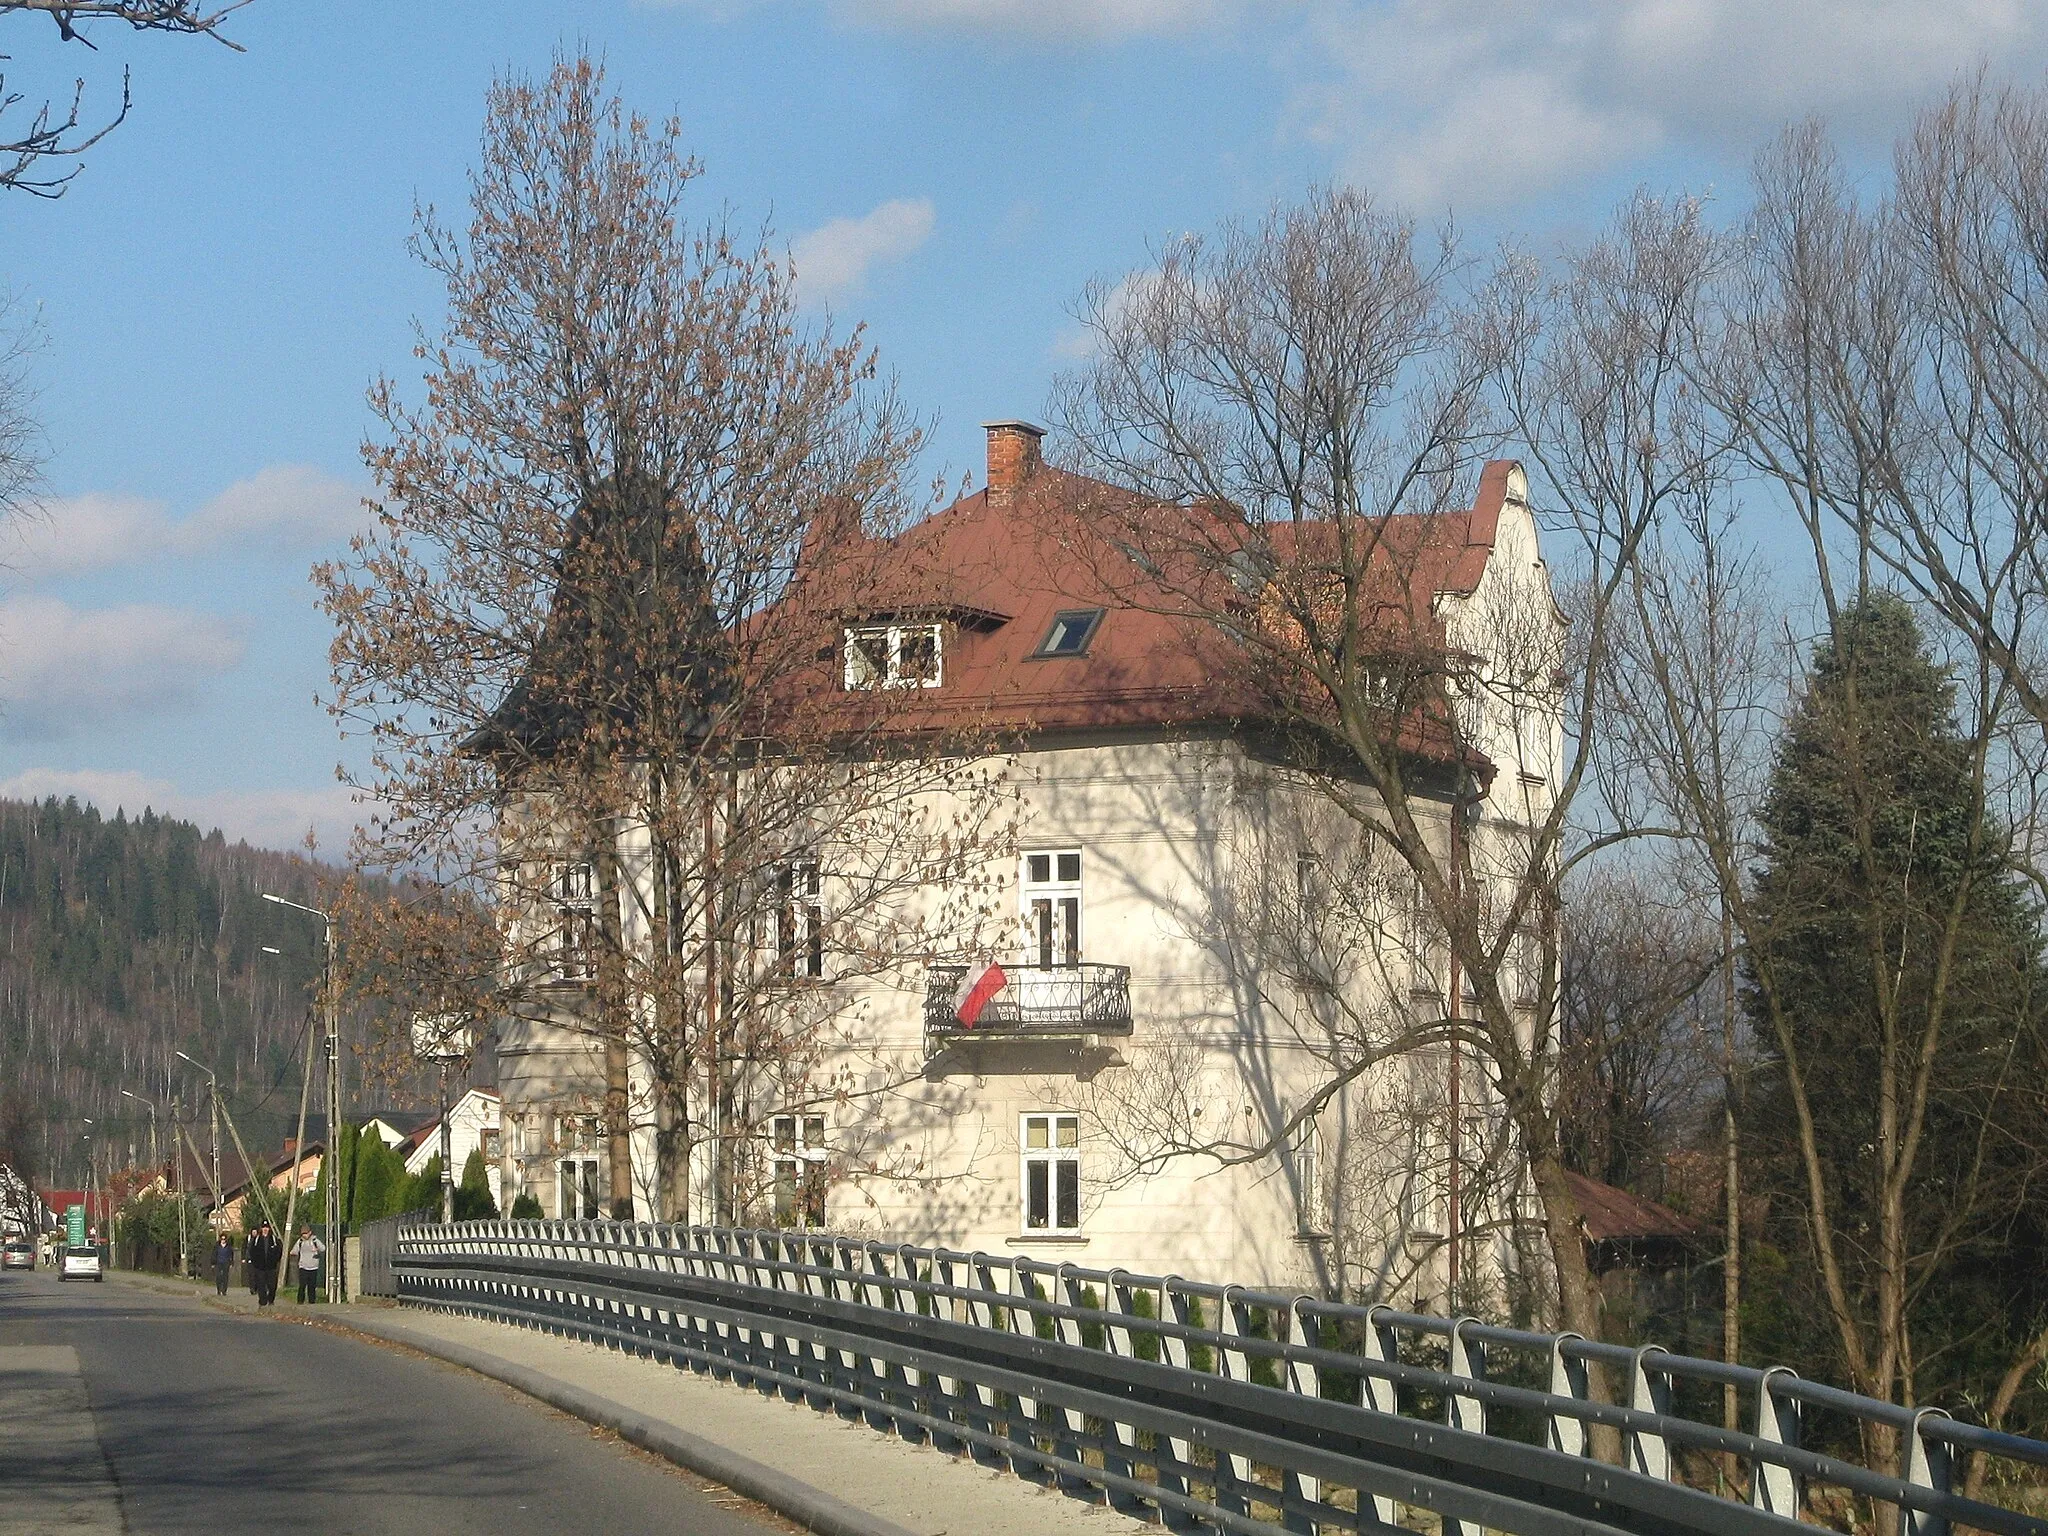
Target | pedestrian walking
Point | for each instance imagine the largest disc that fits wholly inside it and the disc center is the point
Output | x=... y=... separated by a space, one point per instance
x=265 y=1254
x=223 y=1261
x=308 y=1250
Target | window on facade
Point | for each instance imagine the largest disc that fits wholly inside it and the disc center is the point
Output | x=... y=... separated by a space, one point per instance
x=571 y=940
x=1052 y=908
x=489 y=1144
x=1422 y=942
x=799 y=920
x=797 y=1167
x=1425 y=1188
x=1525 y=968
x=1052 y=1173
x=893 y=656
x=1071 y=631
x=577 y=1189
x=1304 y=1164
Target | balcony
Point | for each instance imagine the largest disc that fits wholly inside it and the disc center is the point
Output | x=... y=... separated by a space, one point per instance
x=1037 y=1002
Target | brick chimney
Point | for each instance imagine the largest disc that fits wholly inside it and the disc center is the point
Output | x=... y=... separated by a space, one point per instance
x=1012 y=456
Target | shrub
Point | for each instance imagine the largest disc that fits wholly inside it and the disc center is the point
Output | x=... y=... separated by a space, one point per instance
x=473 y=1200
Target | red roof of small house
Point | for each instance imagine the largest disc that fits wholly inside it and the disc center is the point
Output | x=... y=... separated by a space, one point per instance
x=1611 y=1215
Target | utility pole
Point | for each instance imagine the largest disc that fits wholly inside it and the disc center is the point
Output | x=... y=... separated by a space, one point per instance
x=156 y=1161
x=178 y=1184
x=213 y=1114
x=337 y=1238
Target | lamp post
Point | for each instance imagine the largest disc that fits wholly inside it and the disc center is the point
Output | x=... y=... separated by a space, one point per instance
x=213 y=1114
x=337 y=1239
x=155 y=1158
x=443 y=1039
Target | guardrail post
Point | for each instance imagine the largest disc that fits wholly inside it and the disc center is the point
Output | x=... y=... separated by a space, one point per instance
x=1930 y=1465
x=1380 y=1343
x=1072 y=1294
x=1233 y=1472
x=1021 y=1290
x=1304 y=1380
x=1649 y=1391
x=1461 y=1411
x=1568 y=1379
x=1771 y=1486
x=1175 y=1305
x=1118 y=1307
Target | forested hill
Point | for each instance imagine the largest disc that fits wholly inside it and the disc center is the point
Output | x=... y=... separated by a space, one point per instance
x=124 y=941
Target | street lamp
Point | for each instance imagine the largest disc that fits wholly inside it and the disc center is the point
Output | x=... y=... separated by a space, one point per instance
x=337 y=1239
x=213 y=1115
x=177 y=1183
x=155 y=1154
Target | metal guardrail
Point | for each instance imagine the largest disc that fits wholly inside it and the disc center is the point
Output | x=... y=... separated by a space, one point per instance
x=1205 y=1407
x=379 y=1245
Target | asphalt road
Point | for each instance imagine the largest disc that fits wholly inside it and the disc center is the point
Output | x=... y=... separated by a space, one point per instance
x=215 y=1423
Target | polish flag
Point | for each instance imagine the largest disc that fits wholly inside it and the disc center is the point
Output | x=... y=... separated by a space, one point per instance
x=975 y=991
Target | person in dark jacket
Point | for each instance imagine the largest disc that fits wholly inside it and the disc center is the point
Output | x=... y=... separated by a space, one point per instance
x=223 y=1261
x=265 y=1254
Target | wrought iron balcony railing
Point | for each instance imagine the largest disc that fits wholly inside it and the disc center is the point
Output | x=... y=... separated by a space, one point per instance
x=1081 y=999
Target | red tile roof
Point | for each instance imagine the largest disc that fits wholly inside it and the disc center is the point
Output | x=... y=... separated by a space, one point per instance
x=1001 y=566
x=1611 y=1215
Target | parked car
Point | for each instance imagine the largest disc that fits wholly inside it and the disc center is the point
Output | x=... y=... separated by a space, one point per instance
x=18 y=1253
x=80 y=1264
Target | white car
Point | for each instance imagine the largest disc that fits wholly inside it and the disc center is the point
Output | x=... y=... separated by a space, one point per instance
x=80 y=1264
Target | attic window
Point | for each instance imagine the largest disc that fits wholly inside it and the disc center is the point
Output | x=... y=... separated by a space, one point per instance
x=893 y=656
x=1071 y=631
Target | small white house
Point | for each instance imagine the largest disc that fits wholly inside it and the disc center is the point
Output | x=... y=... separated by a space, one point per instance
x=473 y=1123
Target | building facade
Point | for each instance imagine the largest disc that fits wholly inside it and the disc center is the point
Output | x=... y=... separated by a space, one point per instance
x=1202 y=1053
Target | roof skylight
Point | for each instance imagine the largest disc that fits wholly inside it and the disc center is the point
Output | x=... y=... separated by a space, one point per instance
x=1072 y=629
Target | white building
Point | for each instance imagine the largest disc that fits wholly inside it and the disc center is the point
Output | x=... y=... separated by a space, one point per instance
x=474 y=1124
x=1162 y=879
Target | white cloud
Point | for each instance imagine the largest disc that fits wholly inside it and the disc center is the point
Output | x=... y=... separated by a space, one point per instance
x=281 y=510
x=836 y=258
x=1053 y=20
x=267 y=818
x=1487 y=102
x=63 y=670
x=1086 y=19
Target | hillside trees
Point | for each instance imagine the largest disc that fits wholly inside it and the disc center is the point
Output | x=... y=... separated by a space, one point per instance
x=123 y=940
x=596 y=716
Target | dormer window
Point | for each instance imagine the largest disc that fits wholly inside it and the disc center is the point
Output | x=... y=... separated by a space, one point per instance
x=893 y=656
x=1071 y=631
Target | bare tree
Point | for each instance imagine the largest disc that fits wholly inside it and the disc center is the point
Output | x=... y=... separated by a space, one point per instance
x=1828 y=391
x=41 y=156
x=594 y=645
x=1319 y=389
x=1638 y=974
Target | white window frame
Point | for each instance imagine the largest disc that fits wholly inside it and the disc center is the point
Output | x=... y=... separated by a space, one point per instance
x=799 y=917
x=576 y=1179
x=1059 y=1156
x=859 y=673
x=1062 y=893
x=796 y=1154
x=1305 y=1169
x=572 y=911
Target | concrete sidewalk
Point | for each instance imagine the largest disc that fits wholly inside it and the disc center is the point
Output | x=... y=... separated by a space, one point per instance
x=871 y=1484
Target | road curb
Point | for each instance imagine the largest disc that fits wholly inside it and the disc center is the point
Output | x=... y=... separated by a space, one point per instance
x=813 y=1508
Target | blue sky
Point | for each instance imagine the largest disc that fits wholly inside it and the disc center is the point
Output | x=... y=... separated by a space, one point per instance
x=229 y=272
